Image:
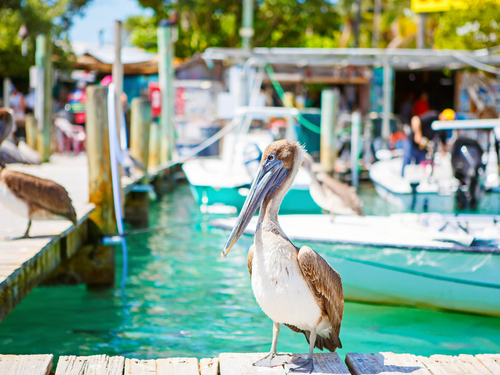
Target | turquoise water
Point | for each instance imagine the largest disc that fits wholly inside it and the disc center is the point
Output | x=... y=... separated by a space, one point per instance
x=182 y=299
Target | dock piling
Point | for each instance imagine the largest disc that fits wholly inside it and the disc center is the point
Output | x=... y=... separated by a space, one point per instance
x=328 y=140
x=165 y=78
x=100 y=182
x=31 y=131
x=137 y=202
x=44 y=88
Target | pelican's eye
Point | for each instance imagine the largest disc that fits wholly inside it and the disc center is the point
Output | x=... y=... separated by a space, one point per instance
x=271 y=157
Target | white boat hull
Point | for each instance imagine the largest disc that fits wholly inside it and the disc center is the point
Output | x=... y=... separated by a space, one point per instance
x=396 y=260
x=421 y=202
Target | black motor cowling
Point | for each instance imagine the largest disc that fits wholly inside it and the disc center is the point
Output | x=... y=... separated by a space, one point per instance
x=466 y=161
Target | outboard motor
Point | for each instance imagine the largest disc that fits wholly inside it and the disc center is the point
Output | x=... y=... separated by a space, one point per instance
x=466 y=161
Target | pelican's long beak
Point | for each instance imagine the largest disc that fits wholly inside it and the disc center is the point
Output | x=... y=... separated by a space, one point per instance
x=268 y=177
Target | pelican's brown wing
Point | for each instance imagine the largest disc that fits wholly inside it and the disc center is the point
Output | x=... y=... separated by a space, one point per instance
x=326 y=286
x=42 y=193
x=250 y=259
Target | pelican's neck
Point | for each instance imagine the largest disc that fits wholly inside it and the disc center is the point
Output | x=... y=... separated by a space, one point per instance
x=271 y=204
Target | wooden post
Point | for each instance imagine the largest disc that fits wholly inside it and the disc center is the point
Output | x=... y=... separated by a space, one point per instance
x=100 y=182
x=154 y=145
x=421 y=31
x=31 y=131
x=44 y=64
x=98 y=154
x=247 y=30
x=165 y=78
x=118 y=77
x=137 y=202
x=387 y=100
x=328 y=140
x=7 y=84
x=140 y=131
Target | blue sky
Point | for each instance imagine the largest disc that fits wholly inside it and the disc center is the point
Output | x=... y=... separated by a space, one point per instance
x=101 y=14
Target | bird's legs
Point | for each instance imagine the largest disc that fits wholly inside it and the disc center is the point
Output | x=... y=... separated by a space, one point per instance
x=26 y=235
x=273 y=359
x=306 y=364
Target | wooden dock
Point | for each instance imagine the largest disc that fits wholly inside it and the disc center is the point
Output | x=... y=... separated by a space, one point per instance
x=241 y=364
x=26 y=263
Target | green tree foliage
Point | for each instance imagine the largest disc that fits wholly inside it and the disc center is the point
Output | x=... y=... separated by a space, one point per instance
x=51 y=17
x=209 y=23
x=317 y=23
x=476 y=27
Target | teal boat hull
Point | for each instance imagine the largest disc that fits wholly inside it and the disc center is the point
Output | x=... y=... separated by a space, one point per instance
x=296 y=201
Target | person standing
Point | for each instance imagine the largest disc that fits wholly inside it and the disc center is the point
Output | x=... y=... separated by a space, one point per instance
x=421 y=105
x=422 y=138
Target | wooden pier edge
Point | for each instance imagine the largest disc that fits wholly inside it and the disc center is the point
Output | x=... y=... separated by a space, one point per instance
x=241 y=364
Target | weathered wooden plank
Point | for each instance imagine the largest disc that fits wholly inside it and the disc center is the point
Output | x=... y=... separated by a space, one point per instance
x=324 y=363
x=26 y=364
x=241 y=364
x=481 y=369
x=457 y=365
x=177 y=366
x=434 y=366
x=115 y=365
x=140 y=367
x=384 y=363
x=209 y=366
x=490 y=361
x=71 y=365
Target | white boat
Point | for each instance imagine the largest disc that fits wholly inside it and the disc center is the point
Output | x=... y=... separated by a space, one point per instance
x=221 y=185
x=426 y=187
x=434 y=187
x=449 y=262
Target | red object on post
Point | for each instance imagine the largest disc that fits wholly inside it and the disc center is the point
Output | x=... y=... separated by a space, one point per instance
x=155 y=98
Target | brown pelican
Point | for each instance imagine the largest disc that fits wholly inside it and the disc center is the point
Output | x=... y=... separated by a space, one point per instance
x=332 y=195
x=295 y=287
x=30 y=196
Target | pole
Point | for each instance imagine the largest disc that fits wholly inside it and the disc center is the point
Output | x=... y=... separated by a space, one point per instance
x=165 y=78
x=387 y=99
x=421 y=31
x=44 y=93
x=355 y=133
x=376 y=23
x=137 y=202
x=118 y=77
x=7 y=84
x=357 y=23
x=140 y=124
x=329 y=117
x=247 y=30
x=100 y=184
x=31 y=131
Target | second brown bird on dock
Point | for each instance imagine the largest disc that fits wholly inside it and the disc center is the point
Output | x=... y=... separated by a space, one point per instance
x=330 y=194
x=32 y=197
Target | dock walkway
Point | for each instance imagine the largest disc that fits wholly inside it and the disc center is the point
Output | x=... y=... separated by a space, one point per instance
x=241 y=364
x=25 y=263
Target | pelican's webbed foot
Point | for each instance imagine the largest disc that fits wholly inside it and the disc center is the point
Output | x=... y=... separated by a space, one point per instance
x=303 y=365
x=273 y=359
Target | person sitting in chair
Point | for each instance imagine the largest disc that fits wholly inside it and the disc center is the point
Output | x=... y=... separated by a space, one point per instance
x=422 y=138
